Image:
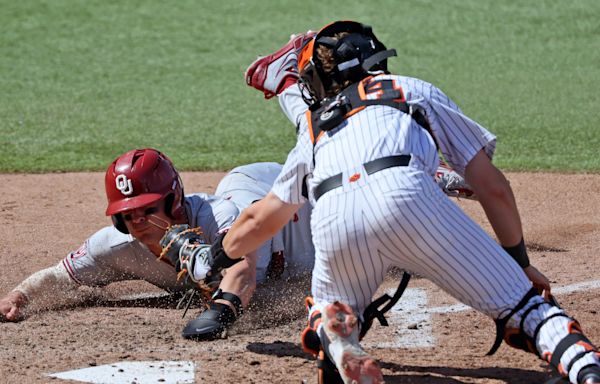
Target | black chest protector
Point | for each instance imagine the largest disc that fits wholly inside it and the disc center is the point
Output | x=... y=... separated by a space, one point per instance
x=356 y=97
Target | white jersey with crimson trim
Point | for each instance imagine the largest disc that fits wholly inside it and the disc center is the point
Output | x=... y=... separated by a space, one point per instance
x=109 y=256
x=248 y=183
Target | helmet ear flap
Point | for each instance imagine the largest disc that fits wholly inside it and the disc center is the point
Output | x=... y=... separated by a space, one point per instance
x=119 y=223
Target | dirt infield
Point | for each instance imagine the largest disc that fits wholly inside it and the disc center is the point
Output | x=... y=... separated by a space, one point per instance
x=44 y=216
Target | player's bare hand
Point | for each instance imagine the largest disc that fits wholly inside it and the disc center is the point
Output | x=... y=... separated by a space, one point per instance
x=11 y=306
x=539 y=280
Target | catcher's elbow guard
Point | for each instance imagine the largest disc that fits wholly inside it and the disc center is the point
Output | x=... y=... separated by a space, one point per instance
x=220 y=258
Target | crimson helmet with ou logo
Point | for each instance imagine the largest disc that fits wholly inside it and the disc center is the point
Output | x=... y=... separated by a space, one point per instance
x=139 y=178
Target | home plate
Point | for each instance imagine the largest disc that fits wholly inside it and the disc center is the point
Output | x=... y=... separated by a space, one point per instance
x=138 y=372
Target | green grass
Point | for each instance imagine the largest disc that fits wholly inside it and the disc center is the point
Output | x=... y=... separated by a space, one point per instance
x=83 y=81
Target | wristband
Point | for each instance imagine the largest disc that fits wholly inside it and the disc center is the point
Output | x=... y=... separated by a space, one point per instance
x=220 y=259
x=519 y=253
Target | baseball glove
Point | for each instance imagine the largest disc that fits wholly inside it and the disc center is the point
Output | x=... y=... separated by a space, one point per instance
x=453 y=184
x=184 y=248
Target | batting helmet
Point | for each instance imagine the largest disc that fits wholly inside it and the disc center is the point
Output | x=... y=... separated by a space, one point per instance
x=139 y=178
x=355 y=55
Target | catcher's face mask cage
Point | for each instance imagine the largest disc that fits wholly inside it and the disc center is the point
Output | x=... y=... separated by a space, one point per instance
x=355 y=56
x=139 y=178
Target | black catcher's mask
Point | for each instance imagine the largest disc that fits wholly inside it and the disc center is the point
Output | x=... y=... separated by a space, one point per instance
x=356 y=55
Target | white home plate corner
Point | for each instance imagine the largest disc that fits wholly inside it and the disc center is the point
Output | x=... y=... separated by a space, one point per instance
x=139 y=372
x=412 y=310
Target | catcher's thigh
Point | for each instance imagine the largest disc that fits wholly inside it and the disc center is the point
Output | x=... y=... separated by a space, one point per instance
x=347 y=267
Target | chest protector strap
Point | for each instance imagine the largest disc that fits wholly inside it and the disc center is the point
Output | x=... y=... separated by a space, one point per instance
x=355 y=98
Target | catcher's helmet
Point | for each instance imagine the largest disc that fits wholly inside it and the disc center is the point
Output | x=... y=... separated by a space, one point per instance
x=139 y=178
x=355 y=55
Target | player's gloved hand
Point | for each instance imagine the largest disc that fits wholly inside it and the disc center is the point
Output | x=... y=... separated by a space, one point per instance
x=11 y=306
x=453 y=184
x=273 y=73
x=198 y=262
x=539 y=280
x=184 y=248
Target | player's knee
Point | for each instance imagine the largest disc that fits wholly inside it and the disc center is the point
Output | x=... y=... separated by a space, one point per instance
x=309 y=338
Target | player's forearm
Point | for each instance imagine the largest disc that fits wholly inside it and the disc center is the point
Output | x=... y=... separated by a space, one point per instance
x=258 y=223
x=240 y=279
x=496 y=197
x=246 y=234
x=501 y=210
x=44 y=288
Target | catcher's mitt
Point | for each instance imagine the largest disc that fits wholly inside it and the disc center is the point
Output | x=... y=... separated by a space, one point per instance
x=184 y=248
x=453 y=184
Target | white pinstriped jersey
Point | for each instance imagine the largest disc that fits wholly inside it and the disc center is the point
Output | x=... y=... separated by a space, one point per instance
x=109 y=256
x=459 y=137
x=246 y=184
x=397 y=216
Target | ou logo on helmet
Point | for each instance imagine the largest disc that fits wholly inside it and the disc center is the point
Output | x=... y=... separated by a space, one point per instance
x=124 y=185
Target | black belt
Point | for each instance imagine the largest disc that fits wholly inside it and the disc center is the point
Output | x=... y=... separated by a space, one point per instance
x=371 y=167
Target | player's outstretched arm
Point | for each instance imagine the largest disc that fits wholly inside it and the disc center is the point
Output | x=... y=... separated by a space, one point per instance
x=258 y=223
x=11 y=305
x=204 y=263
x=497 y=199
x=42 y=289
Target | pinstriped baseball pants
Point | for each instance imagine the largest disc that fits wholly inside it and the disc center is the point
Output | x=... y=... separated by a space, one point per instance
x=399 y=217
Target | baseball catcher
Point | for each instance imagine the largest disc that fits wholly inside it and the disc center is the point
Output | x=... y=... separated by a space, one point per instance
x=367 y=148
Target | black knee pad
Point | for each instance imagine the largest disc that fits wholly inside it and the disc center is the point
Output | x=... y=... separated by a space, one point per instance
x=311 y=343
x=327 y=371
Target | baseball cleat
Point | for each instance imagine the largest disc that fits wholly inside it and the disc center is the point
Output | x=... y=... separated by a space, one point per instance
x=273 y=73
x=353 y=363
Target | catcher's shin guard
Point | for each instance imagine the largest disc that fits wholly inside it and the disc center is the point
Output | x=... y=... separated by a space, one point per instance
x=309 y=337
x=545 y=329
x=213 y=323
x=327 y=372
x=589 y=375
